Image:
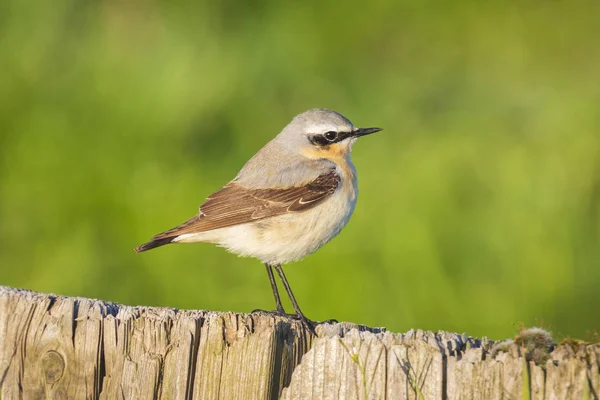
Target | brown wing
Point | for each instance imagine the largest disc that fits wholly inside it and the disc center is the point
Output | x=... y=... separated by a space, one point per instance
x=235 y=204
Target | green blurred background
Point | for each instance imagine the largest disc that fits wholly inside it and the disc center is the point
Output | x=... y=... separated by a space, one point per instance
x=479 y=204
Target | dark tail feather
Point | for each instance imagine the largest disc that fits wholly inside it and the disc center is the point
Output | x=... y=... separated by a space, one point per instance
x=168 y=236
x=154 y=243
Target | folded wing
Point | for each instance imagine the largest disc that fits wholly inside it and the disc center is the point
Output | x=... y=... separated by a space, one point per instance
x=235 y=205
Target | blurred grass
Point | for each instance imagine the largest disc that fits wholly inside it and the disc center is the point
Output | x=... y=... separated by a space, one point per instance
x=480 y=202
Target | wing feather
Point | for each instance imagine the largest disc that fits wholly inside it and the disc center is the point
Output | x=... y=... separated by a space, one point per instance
x=235 y=204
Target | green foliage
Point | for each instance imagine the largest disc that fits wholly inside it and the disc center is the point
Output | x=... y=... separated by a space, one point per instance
x=479 y=203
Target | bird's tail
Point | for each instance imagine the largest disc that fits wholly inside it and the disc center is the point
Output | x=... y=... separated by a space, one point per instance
x=189 y=226
x=154 y=243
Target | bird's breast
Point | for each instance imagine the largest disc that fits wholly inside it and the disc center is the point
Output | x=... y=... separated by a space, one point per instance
x=293 y=236
x=349 y=181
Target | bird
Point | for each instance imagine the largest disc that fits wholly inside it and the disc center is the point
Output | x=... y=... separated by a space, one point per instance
x=292 y=197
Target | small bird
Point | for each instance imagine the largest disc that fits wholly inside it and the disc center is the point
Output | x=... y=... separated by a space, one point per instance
x=288 y=200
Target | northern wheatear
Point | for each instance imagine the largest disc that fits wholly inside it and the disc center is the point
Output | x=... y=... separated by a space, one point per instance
x=291 y=198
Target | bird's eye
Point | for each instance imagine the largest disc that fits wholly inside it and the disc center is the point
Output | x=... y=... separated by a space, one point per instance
x=331 y=135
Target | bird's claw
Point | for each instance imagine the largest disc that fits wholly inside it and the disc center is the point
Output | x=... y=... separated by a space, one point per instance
x=330 y=321
x=279 y=313
x=306 y=323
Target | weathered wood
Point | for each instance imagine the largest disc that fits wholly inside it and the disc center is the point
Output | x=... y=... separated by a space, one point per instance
x=63 y=347
x=427 y=365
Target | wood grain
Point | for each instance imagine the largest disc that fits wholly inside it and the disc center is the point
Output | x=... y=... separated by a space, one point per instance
x=75 y=348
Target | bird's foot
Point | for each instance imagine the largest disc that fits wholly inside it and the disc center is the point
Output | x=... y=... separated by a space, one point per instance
x=311 y=325
x=330 y=321
x=278 y=312
x=306 y=323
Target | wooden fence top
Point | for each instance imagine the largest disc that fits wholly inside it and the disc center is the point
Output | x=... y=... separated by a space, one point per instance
x=76 y=348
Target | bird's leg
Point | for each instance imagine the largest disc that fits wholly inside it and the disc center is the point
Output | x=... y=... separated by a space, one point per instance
x=305 y=321
x=280 y=309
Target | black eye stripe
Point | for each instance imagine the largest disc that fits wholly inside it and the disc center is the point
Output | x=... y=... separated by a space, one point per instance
x=343 y=135
x=321 y=140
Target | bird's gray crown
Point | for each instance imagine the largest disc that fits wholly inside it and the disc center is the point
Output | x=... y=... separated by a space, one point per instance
x=314 y=122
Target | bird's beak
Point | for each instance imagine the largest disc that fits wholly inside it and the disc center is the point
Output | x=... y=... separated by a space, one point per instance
x=365 y=131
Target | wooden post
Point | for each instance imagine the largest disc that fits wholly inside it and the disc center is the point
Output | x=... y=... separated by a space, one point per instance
x=75 y=348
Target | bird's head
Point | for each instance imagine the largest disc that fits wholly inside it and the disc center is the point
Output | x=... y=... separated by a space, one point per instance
x=322 y=134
